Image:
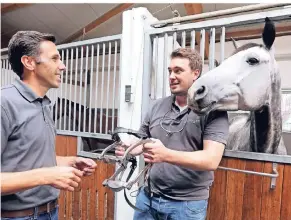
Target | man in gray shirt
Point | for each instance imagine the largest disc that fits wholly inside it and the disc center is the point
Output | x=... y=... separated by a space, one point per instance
x=31 y=173
x=186 y=148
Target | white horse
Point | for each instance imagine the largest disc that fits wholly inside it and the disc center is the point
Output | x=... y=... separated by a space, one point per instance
x=248 y=80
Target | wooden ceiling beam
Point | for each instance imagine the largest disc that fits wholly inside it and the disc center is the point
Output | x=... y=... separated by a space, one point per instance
x=6 y=7
x=197 y=8
x=105 y=17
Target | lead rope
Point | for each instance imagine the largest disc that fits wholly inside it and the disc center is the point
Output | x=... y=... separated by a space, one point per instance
x=133 y=166
x=150 y=210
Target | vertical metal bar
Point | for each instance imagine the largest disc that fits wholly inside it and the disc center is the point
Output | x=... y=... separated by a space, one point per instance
x=6 y=73
x=10 y=72
x=114 y=79
x=56 y=107
x=3 y=74
x=202 y=44
x=71 y=82
x=222 y=43
x=76 y=84
x=184 y=39
x=66 y=95
x=155 y=72
x=61 y=97
x=2 y=71
x=96 y=89
x=165 y=69
x=102 y=87
x=174 y=40
x=193 y=39
x=91 y=85
x=108 y=84
x=81 y=89
x=86 y=85
x=212 y=48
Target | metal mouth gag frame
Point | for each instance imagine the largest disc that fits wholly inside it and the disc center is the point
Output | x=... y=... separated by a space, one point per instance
x=115 y=182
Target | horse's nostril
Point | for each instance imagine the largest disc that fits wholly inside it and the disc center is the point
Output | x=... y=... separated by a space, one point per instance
x=201 y=90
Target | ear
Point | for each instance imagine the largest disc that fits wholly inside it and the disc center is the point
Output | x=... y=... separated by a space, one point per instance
x=269 y=33
x=28 y=62
x=216 y=63
x=235 y=44
x=196 y=74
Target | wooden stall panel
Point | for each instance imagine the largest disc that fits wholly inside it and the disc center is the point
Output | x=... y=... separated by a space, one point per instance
x=271 y=198
x=252 y=193
x=217 y=198
x=286 y=194
x=110 y=196
x=61 y=150
x=233 y=195
x=234 y=192
x=239 y=196
x=90 y=200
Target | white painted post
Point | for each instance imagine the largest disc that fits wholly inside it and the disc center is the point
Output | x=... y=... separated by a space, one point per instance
x=134 y=22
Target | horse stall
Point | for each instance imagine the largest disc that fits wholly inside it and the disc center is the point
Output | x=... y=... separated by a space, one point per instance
x=111 y=81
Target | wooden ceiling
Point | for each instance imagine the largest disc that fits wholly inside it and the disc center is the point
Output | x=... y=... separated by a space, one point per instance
x=72 y=22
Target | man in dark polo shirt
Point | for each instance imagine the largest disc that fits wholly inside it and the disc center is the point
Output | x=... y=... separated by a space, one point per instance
x=186 y=148
x=31 y=173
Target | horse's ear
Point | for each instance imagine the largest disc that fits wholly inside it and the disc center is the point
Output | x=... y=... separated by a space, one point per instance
x=216 y=63
x=235 y=44
x=269 y=33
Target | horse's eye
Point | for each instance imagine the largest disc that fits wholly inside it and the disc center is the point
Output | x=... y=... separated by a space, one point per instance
x=252 y=61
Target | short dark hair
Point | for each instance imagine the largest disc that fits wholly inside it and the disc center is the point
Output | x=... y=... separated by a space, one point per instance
x=195 y=60
x=25 y=43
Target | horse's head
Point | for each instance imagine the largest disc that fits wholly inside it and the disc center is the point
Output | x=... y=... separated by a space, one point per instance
x=241 y=82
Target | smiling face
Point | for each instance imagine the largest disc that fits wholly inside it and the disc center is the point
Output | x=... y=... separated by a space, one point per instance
x=49 y=66
x=181 y=76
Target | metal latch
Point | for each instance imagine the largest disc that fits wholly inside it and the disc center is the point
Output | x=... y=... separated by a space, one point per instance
x=128 y=93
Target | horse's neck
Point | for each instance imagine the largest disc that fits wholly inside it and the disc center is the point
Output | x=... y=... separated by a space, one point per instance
x=266 y=126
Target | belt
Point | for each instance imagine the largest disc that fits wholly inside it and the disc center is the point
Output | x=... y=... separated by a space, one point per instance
x=47 y=207
x=153 y=194
x=157 y=195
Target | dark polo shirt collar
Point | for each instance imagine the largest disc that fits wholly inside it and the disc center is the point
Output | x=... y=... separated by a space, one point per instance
x=28 y=93
x=174 y=106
